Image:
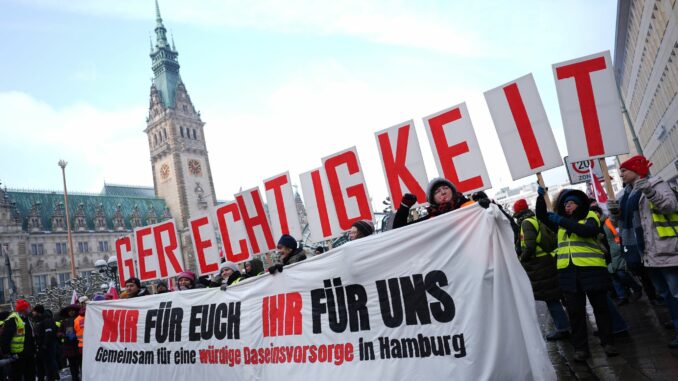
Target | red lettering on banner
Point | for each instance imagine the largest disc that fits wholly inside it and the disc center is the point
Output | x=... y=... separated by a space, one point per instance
x=281 y=314
x=166 y=252
x=396 y=168
x=321 y=203
x=144 y=252
x=232 y=256
x=257 y=219
x=126 y=244
x=201 y=245
x=581 y=71
x=525 y=131
x=357 y=191
x=276 y=185
x=447 y=153
x=119 y=326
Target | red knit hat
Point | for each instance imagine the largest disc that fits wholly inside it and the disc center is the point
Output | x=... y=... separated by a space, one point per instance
x=520 y=205
x=22 y=305
x=638 y=164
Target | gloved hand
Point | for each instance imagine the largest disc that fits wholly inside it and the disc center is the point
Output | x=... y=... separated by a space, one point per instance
x=408 y=200
x=541 y=190
x=223 y=287
x=275 y=269
x=643 y=185
x=613 y=207
x=484 y=202
x=554 y=217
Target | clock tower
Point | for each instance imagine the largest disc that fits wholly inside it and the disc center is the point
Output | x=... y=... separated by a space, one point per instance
x=176 y=138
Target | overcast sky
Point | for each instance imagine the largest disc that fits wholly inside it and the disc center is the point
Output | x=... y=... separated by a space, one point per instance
x=280 y=84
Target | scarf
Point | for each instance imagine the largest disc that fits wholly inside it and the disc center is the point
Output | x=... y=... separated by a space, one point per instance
x=632 y=230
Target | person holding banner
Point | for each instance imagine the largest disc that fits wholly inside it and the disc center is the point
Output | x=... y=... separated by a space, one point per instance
x=185 y=280
x=656 y=206
x=134 y=289
x=540 y=267
x=288 y=253
x=442 y=197
x=253 y=268
x=360 y=229
x=582 y=270
x=230 y=273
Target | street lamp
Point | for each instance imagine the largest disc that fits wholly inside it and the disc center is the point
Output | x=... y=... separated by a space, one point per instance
x=62 y=164
x=110 y=268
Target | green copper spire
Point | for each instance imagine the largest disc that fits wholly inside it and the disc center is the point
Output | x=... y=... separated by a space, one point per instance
x=165 y=64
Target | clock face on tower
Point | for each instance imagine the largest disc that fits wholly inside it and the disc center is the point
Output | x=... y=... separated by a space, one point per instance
x=164 y=171
x=194 y=167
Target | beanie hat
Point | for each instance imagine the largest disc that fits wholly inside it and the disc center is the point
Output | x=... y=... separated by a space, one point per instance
x=638 y=164
x=22 y=306
x=83 y=299
x=435 y=184
x=520 y=205
x=228 y=265
x=39 y=308
x=135 y=281
x=186 y=274
x=288 y=241
x=572 y=198
x=161 y=283
x=364 y=227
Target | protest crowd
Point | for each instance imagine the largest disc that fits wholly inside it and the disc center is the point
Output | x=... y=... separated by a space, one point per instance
x=572 y=253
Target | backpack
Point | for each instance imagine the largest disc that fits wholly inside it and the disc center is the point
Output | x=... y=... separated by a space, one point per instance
x=549 y=239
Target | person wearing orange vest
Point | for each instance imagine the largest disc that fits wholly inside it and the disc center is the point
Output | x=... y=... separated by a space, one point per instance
x=621 y=279
x=17 y=339
x=442 y=197
x=79 y=327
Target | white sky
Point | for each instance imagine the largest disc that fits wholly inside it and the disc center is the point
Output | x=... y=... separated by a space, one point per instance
x=280 y=84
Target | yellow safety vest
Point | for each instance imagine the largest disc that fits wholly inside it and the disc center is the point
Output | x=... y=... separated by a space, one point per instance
x=582 y=252
x=17 y=343
x=666 y=224
x=539 y=252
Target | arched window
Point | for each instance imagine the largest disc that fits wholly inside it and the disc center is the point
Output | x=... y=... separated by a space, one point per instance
x=181 y=129
x=194 y=136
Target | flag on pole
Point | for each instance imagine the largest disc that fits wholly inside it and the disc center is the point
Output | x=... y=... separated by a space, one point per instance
x=113 y=292
x=74 y=298
x=598 y=191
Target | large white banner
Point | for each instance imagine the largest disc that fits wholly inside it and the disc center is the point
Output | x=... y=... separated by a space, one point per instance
x=590 y=107
x=439 y=300
x=523 y=127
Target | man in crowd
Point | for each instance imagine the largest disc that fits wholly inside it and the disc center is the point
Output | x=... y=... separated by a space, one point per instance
x=17 y=339
x=133 y=288
x=288 y=253
x=648 y=211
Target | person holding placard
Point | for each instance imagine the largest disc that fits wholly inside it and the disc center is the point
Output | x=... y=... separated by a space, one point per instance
x=656 y=206
x=540 y=266
x=442 y=197
x=288 y=253
x=582 y=270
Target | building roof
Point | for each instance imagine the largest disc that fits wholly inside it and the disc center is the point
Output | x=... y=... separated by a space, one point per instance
x=46 y=202
x=127 y=191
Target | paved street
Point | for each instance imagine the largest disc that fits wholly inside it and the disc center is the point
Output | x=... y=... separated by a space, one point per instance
x=644 y=351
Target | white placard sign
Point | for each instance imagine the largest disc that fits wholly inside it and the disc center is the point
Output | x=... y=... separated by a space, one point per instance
x=456 y=150
x=402 y=162
x=282 y=206
x=523 y=127
x=590 y=107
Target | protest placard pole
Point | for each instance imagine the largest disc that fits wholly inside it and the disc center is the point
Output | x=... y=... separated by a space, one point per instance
x=540 y=180
x=606 y=176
